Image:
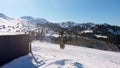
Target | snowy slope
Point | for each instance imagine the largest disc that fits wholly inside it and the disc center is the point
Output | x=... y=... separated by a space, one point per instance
x=8 y=24
x=4 y=16
x=35 y=20
x=14 y=25
x=47 y=55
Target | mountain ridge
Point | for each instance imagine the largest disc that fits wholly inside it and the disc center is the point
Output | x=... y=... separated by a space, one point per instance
x=34 y=20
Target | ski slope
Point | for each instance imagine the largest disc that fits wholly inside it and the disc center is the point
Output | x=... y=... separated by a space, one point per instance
x=48 y=55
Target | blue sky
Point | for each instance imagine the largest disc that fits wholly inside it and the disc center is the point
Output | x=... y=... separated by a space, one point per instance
x=96 y=11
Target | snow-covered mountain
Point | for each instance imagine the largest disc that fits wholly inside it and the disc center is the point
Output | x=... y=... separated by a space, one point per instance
x=8 y=24
x=79 y=27
x=4 y=16
x=35 y=20
x=91 y=26
x=104 y=32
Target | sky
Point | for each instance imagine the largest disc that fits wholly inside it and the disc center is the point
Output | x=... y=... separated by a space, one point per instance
x=79 y=11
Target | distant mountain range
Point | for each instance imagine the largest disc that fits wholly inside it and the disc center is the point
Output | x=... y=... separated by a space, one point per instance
x=104 y=32
x=100 y=29
x=96 y=28
x=26 y=18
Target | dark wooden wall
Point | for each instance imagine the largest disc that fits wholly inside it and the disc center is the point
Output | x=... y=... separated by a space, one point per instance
x=13 y=46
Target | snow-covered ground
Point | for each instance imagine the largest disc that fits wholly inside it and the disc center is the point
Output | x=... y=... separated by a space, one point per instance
x=87 y=31
x=100 y=36
x=48 y=55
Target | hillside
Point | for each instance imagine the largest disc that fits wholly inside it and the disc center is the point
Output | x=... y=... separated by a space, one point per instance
x=47 y=55
x=8 y=24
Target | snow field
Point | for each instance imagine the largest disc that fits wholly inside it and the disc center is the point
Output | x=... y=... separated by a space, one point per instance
x=48 y=55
